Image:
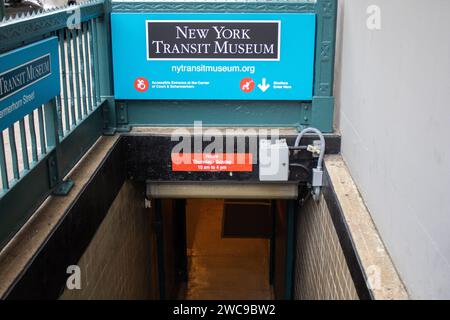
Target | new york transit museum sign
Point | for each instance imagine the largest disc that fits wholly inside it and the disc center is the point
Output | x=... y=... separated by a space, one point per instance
x=29 y=77
x=213 y=56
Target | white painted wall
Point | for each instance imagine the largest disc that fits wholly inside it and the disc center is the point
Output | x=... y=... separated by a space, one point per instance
x=393 y=98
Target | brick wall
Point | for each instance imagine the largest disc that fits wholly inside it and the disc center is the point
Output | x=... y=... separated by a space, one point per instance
x=321 y=272
x=339 y=252
x=120 y=261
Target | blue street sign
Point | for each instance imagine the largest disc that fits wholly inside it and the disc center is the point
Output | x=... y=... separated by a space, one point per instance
x=213 y=56
x=29 y=77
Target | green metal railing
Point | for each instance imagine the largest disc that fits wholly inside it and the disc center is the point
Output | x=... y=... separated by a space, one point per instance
x=79 y=75
x=38 y=151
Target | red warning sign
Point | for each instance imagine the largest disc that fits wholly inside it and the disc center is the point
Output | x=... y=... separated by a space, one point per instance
x=208 y=162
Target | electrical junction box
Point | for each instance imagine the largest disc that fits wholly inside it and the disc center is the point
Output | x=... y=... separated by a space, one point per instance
x=273 y=160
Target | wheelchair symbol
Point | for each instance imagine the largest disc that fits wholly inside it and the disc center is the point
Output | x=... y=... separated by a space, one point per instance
x=141 y=84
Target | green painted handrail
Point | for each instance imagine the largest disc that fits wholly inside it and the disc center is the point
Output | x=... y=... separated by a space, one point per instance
x=29 y=27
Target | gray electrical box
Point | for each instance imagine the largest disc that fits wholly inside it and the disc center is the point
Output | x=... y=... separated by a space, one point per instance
x=273 y=160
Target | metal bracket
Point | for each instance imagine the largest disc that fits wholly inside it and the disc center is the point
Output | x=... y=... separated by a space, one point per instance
x=109 y=131
x=60 y=188
x=63 y=188
x=306 y=116
x=123 y=128
x=122 y=117
x=122 y=113
x=52 y=171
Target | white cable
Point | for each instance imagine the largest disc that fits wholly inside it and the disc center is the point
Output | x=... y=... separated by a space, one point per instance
x=317 y=176
x=322 y=143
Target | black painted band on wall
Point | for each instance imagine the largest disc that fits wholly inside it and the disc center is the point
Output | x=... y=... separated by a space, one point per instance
x=45 y=275
x=346 y=241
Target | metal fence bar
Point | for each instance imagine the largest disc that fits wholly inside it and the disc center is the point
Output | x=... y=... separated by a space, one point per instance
x=51 y=123
x=64 y=98
x=96 y=62
x=93 y=65
x=59 y=102
x=3 y=168
x=31 y=124
x=71 y=90
x=24 y=145
x=87 y=66
x=77 y=74
x=59 y=116
x=41 y=131
x=85 y=32
x=13 y=148
x=83 y=71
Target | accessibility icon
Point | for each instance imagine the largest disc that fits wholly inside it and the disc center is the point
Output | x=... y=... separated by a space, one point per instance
x=247 y=85
x=141 y=84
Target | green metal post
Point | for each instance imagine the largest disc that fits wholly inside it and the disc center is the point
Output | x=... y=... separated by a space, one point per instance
x=51 y=133
x=2 y=9
x=323 y=101
x=103 y=27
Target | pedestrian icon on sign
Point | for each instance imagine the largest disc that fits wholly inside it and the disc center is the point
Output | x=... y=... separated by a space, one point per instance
x=247 y=85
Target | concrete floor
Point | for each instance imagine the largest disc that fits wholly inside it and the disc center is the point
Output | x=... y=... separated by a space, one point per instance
x=220 y=268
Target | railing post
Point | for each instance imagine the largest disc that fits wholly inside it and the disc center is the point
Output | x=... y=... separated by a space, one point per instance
x=2 y=9
x=60 y=187
x=323 y=100
x=103 y=28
